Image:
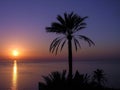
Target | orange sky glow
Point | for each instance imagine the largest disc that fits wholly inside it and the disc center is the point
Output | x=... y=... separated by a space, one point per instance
x=22 y=28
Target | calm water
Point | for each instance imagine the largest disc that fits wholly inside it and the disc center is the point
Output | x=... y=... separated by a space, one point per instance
x=25 y=76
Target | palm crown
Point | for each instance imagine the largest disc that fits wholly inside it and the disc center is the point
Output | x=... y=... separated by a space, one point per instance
x=68 y=26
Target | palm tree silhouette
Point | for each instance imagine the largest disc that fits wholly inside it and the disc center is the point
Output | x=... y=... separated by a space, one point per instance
x=68 y=26
x=99 y=77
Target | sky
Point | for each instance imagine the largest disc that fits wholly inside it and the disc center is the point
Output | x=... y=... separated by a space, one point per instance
x=23 y=22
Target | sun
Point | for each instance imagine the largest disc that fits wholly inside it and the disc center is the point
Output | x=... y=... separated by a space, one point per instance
x=15 y=53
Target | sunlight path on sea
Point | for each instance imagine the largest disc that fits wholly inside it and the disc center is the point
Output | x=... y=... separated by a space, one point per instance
x=14 y=76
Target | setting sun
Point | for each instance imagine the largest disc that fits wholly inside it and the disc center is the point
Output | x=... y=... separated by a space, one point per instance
x=15 y=53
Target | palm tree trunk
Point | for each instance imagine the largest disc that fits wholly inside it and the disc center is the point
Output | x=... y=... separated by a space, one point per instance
x=70 y=56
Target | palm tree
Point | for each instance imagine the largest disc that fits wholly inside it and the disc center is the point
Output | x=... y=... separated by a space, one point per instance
x=68 y=26
x=99 y=77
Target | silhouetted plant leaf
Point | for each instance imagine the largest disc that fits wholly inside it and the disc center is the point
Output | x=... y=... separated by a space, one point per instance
x=77 y=44
x=63 y=45
x=90 y=42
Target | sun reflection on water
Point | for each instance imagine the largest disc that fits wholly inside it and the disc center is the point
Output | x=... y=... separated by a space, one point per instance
x=14 y=78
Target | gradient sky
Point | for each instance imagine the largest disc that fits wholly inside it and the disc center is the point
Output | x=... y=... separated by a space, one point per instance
x=23 y=22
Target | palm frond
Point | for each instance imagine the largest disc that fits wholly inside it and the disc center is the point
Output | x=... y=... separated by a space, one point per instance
x=83 y=24
x=62 y=45
x=66 y=17
x=79 y=24
x=57 y=47
x=90 y=42
x=56 y=28
x=76 y=42
x=77 y=29
x=55 y=44
x=61 y=20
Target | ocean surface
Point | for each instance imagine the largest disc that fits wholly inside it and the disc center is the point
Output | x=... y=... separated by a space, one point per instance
x=17 y=75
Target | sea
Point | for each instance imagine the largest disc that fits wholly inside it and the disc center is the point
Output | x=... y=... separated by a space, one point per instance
x=16 y=75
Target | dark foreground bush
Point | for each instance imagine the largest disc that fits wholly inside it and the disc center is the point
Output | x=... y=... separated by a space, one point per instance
x=60 y=81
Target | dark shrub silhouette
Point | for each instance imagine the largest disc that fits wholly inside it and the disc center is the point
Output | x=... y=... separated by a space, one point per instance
x=53 y=81
x=60 y=81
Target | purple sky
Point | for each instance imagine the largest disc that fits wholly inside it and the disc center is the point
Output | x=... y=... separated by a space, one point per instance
x=23 y=22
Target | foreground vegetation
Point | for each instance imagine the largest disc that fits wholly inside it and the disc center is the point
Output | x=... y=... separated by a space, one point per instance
x=61 y=81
